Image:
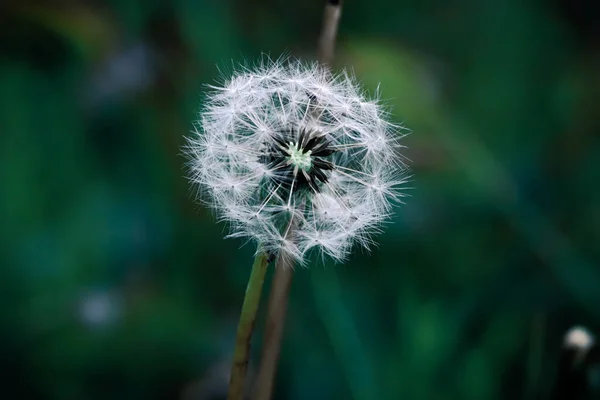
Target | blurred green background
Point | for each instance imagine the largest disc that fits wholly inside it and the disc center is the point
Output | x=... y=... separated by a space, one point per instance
x=116 y=284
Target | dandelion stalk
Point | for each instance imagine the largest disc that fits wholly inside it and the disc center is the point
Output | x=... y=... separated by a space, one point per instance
x=246 y=326
x=282 y=281
x=276 y=311
x=331 y=19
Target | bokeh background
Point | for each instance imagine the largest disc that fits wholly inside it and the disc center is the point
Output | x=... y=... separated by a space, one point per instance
x=116 y=284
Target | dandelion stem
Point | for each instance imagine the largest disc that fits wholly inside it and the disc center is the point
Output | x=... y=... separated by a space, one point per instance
x=276 y=312
x=331 y=19
x=246 y=326
x=282 y=280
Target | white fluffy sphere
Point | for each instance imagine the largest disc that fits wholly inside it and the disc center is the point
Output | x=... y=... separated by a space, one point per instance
x=296 y=158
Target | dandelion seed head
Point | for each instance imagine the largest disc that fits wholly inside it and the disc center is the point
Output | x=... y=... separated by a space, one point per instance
x=296 y=158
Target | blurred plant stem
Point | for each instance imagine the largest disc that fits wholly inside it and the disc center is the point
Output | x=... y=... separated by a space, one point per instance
x=276 y=312
x=246 y=326
x=277 y=308
x=331 y=19
x=282 y=280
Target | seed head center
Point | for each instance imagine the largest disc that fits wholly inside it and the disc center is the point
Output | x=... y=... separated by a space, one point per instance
x=298 y=157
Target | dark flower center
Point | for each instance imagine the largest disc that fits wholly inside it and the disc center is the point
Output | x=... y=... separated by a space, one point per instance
x=297 y=159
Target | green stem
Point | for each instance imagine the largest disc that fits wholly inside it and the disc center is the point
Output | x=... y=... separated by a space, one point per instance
x=246 y=326
x=276 y=310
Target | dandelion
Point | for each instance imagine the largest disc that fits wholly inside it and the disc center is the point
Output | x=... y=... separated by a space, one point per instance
x=579 y=341
x=297 y=159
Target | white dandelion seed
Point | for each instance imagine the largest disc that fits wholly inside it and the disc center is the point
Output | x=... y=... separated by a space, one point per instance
x=292 y=145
